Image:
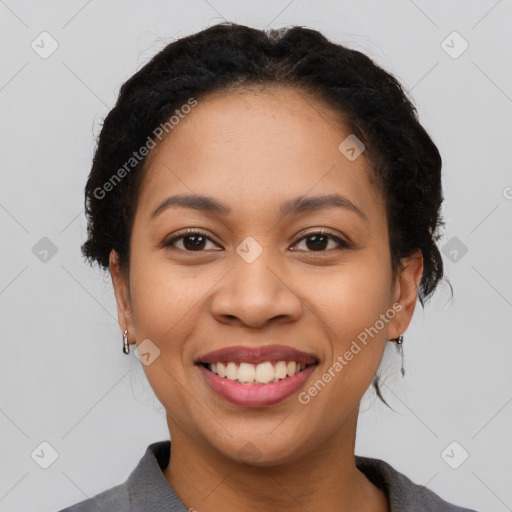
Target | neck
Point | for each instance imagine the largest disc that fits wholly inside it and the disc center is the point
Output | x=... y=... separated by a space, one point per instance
x=324 y=479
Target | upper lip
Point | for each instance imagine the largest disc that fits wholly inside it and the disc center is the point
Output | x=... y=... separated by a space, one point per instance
x=255 y=355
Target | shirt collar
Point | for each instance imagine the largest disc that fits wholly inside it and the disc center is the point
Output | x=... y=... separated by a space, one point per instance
x=149 y=490
x=147 y=486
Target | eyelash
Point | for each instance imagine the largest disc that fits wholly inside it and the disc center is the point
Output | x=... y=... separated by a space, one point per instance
x=168 y=243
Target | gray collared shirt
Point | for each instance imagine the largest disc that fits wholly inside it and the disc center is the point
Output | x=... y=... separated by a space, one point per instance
x=147 y=490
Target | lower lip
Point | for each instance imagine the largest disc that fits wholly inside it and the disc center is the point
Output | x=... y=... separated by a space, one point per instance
x=256 y=395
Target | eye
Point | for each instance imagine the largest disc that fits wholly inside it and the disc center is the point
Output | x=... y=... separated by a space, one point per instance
x=319 y=240
x=192 y=241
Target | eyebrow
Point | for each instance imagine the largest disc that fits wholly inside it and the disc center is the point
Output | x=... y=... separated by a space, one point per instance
x=294 y=206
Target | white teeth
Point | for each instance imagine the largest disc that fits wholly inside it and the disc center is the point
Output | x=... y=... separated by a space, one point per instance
x=231 y=371
x=291 y=367
x=263 y=373
x=281 y=370
x=221 y=369
x=246 y=372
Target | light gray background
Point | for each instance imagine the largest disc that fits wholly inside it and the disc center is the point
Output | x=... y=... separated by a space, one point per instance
x=63 y=377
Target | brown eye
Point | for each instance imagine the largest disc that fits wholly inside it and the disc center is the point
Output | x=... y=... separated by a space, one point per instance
x=196 y=241
x=191 y=241
x=318 y=241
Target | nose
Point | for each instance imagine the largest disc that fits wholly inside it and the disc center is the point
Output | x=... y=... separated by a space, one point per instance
x=256 y=294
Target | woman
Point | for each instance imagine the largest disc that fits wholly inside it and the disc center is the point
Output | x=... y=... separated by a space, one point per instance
x=268 y=207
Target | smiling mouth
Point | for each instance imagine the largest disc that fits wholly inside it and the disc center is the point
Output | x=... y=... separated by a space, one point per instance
x=249 y=374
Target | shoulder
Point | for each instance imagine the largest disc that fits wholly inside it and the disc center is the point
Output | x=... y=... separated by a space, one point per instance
x=145 y=488
x=403 y=493
x=112 y=500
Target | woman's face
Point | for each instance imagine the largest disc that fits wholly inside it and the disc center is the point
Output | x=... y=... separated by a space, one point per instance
x=263 y=276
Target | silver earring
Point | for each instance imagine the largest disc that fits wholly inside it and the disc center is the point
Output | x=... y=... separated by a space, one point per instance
x=126 y=345
x=399 y=346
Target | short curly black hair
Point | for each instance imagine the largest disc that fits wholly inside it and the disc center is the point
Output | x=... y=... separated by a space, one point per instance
x=371 y=102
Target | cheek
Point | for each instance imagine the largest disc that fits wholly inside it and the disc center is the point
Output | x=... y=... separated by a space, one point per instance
x=351 y=305
x=352 y=297
x=163 y=313
x=168 y=305
x=164 y=302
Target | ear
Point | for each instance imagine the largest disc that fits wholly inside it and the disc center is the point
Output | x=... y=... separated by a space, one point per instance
x=406 y=293
x=121 y=286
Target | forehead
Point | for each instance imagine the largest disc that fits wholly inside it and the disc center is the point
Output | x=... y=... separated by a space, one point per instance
x=253 y=148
